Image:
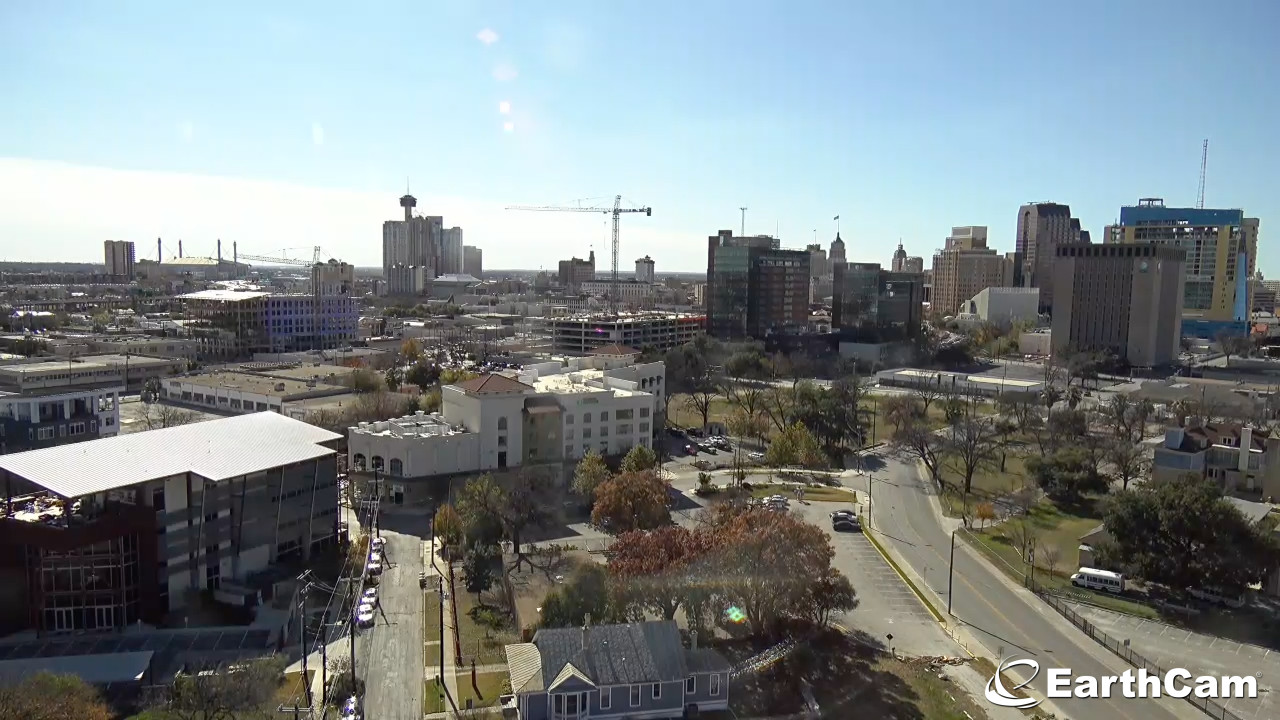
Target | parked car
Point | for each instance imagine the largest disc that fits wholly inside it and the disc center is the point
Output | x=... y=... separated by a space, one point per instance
x=1217 y=597
x=691 y=449
x=373 y=568
x=846 y=524
x=755 y=456
x=378 y=543
x=370 y=595
x=364 y=615
x=837 y=514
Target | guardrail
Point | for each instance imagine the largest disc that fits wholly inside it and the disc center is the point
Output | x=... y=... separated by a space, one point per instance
x=1209 y=707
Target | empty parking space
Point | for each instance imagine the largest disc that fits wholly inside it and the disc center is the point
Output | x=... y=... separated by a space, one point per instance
x=1170 y=647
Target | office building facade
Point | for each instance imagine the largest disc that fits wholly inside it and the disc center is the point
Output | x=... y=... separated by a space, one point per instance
x=575 y=271
x=415 y=241
x=112 y=532
x=1042 y=227
x=644 y=270
x=119 y=256
x=870 y=304
x=1122 y=298
x=753 y=287
x=964 y=267
x=1220 y=246
x=472 y=261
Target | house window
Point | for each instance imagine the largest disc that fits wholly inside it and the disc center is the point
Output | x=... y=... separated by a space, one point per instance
x=606 y=698
x=657 y=691
x=635 y=696
x=690 y=685
x=715 y=685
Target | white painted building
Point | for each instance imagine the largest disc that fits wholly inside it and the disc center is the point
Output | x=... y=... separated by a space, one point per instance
x=552 y=412
x=1003 y=306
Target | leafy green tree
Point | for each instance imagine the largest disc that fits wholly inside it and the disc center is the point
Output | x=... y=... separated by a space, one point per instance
x=448 y=526
x=796 y=446
x=424 y=374
x=1067 y=474
x=45 y=696
x=367 y=381
x=639 y=459
x=632 y=501
x=1183 y=534
x=393 y=377
x=589 y=473
x=480 y=566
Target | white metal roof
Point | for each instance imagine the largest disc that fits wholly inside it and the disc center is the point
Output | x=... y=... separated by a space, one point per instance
x=217 y=450
x=231 y=295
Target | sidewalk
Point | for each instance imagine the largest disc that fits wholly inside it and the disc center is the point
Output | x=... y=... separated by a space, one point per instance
x=433 y=568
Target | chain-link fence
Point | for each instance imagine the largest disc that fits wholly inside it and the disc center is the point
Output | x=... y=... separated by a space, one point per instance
x=1210 y=707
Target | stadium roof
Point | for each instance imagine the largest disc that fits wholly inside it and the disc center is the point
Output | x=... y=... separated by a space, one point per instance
x=216 y=450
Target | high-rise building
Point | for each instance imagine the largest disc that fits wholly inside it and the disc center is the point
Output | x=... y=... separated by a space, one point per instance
x=472 y=261
x=416 y=241
x=754 y=287
x=899 y=258
x=119 y=258
x=644 y=269
x=870 y=304
x=836 y=255
x=575 y=271
x=1221 y=249
x=451 y=252
x=965 y=267
x=1122 y=298
x=1042 y=227
x=913 y=264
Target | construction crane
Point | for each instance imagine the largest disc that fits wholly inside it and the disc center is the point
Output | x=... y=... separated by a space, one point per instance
x=616 y=211
x=1204 y=163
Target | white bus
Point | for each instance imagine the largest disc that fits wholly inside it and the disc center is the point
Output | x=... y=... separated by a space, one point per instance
x=1094 y=579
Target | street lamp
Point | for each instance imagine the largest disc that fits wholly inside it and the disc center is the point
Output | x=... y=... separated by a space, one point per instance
x=951 y=570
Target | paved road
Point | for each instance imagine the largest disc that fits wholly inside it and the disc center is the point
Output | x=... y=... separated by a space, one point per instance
x=389 y=655
x=1169 y=646
x=1008 y=621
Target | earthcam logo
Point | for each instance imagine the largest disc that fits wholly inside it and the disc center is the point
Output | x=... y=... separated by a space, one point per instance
x=1176 y=683
x=998 y=694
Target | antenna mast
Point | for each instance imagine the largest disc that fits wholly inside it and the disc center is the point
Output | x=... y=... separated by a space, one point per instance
x=1204 y=163
x=743 y=231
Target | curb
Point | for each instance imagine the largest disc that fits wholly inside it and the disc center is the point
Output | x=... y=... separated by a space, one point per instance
x=919 y=595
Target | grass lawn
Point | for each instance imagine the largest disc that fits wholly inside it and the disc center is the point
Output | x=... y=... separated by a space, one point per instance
x=292 y=688
x=813 y=494
x=484 y=628
x=485 y=692
x=848 y=679
x=433 y=700
x=988 y=482
x=1057 y=532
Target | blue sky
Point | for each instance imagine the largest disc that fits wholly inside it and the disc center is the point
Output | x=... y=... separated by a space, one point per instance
x=285 y=125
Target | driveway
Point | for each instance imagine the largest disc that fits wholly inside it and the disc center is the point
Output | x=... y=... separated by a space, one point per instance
x=1169 y=646
x=389 y=655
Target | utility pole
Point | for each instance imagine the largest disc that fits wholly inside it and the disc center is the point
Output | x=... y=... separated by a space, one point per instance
x=302 y=638
x=440 y=582
x=351 y=631
x=743 y=231
x=951 y=570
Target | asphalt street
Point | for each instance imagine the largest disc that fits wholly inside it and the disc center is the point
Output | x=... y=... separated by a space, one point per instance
x=389 y=655
x=1007 y=620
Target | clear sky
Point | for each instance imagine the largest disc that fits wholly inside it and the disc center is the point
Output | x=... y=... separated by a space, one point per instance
x=287 y=125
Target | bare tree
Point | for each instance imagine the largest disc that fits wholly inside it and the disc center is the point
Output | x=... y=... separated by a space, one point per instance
x=1021 y=533
x=900 y=410
x=1050 y=556
x=701 y=399
x=779 y=406
x=971 y=447
x=915 y=439
x=1128 y=461
x=160 y=415
x=749 y=398
x=927 y=393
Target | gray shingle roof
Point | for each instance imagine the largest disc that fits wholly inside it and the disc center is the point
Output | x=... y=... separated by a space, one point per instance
x=614 y=654
x=705 y=660
x=216 y=450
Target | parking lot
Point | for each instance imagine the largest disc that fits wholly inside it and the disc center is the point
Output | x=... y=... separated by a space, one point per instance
x=885 y=604
x=1170 y=647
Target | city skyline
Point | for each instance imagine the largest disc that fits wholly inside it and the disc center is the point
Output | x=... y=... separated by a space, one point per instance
x=280 y=145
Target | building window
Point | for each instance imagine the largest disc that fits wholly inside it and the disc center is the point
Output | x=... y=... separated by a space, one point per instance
x=715 y=685
x=657 y=691
x=568 y=419
x=502 y=459
x=76 y=428
x=502 y=441
x=568 y=451
x=377 y=462
x=635 y=696
x=644 y=412
x=397 y=467
x=502 y=423
x=586 y=433
x=606 y=698
x=604 y=416
x=45 y=433
x=690 y=685
x=586 y=417
x=644 y=427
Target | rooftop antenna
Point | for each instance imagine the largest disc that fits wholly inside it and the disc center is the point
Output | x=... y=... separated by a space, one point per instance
x=743 y=232
x=1204 y=163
